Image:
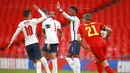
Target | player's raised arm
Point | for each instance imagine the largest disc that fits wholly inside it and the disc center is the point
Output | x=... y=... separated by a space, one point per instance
x=109 y=30
x=42 y=14
x=64 y=13
x=15 y=36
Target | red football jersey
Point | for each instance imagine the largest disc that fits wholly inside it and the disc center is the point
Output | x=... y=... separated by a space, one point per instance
x=92 y=32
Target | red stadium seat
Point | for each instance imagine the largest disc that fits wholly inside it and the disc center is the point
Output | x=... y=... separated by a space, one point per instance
x=116 y=16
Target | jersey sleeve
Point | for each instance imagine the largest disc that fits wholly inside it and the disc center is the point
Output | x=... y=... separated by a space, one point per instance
x=102 y=26
x=68 y=17
x=16 y=32
x=58 y=25
x=38 y=20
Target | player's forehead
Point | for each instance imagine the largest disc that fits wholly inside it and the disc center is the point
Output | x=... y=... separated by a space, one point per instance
x=71 y=9
x=51 y=12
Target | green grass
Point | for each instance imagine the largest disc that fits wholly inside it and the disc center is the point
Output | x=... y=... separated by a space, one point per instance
x=33 y=71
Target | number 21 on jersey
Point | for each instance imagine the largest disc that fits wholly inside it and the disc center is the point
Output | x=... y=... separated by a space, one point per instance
x=89 y=29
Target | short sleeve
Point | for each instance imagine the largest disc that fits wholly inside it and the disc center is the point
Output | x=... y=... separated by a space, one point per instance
x=58 y=25
x=102 y=26
x=79 y=30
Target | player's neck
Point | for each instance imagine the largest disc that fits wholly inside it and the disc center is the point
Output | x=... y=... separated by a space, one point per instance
x=27 y=18
x=88 y=21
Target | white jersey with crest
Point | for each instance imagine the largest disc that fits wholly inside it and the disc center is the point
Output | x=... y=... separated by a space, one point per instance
x=51 y=26
x=74 y=24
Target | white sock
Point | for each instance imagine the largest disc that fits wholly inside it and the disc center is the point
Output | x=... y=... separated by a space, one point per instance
x=38 y=67
x=54 y=64
x=34 y=65
x=44 y=62
x=77 y=64
x=71 y=63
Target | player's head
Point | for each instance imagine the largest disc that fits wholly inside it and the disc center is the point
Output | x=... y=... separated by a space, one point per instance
x=87 y=17
x=73 y=10
x=52 y=14
x=27 y=14
x=45 y=11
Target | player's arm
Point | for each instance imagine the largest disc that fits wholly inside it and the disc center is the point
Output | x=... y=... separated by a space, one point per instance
x=59 y=29
x=14 y=36
x=61 y=34
x=42 y=14
x=64 y=13
x=109 y=30
x=79 y=40
x=44 y=33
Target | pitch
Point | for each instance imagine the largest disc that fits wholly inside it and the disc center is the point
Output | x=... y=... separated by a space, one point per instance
x=33 y=71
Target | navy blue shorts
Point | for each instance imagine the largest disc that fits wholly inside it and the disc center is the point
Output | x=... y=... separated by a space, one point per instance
x=33 y=51
x=74 y=48
x=54 y=48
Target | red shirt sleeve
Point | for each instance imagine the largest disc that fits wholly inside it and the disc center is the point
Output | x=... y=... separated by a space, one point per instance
x=102 y=26
x=79 y=30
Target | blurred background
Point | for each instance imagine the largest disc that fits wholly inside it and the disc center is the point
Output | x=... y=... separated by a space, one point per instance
x=114 y=13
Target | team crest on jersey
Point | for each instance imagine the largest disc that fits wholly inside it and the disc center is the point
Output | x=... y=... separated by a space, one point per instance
x=48 y=25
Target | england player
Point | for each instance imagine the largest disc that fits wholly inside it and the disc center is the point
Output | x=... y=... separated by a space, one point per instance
x=28 y=27
x=91 y=31
x=74 y=50
x=45 y=54
x=50 y=27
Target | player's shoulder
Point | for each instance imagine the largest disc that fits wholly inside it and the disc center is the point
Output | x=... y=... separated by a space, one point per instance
x=21 y=23
x=57 y=21
x=76 y=17
x=81 y=25
x=97 y=23
x=33 y=19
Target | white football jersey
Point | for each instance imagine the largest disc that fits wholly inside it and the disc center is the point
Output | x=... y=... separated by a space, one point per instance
x=51 y=27
x=74 y=24
x=28 y=28
x=74 y=28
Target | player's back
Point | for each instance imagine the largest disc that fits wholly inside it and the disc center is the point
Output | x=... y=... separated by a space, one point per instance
x=29 y=30
x=92 y=32
x=50 y=25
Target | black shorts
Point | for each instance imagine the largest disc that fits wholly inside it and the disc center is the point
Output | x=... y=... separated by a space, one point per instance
x=54 y=48
x=33 y=51
x=74 y=48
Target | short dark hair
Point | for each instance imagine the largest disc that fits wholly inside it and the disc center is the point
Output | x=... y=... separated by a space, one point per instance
x=74 y=8
x=26 y=13
x=45 y=11
x=87 y=17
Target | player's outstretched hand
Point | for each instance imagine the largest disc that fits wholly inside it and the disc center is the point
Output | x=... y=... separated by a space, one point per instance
x=48 y=46
x=87 y=48
x=58 y=5
x=36 y=7
x=62 y=38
